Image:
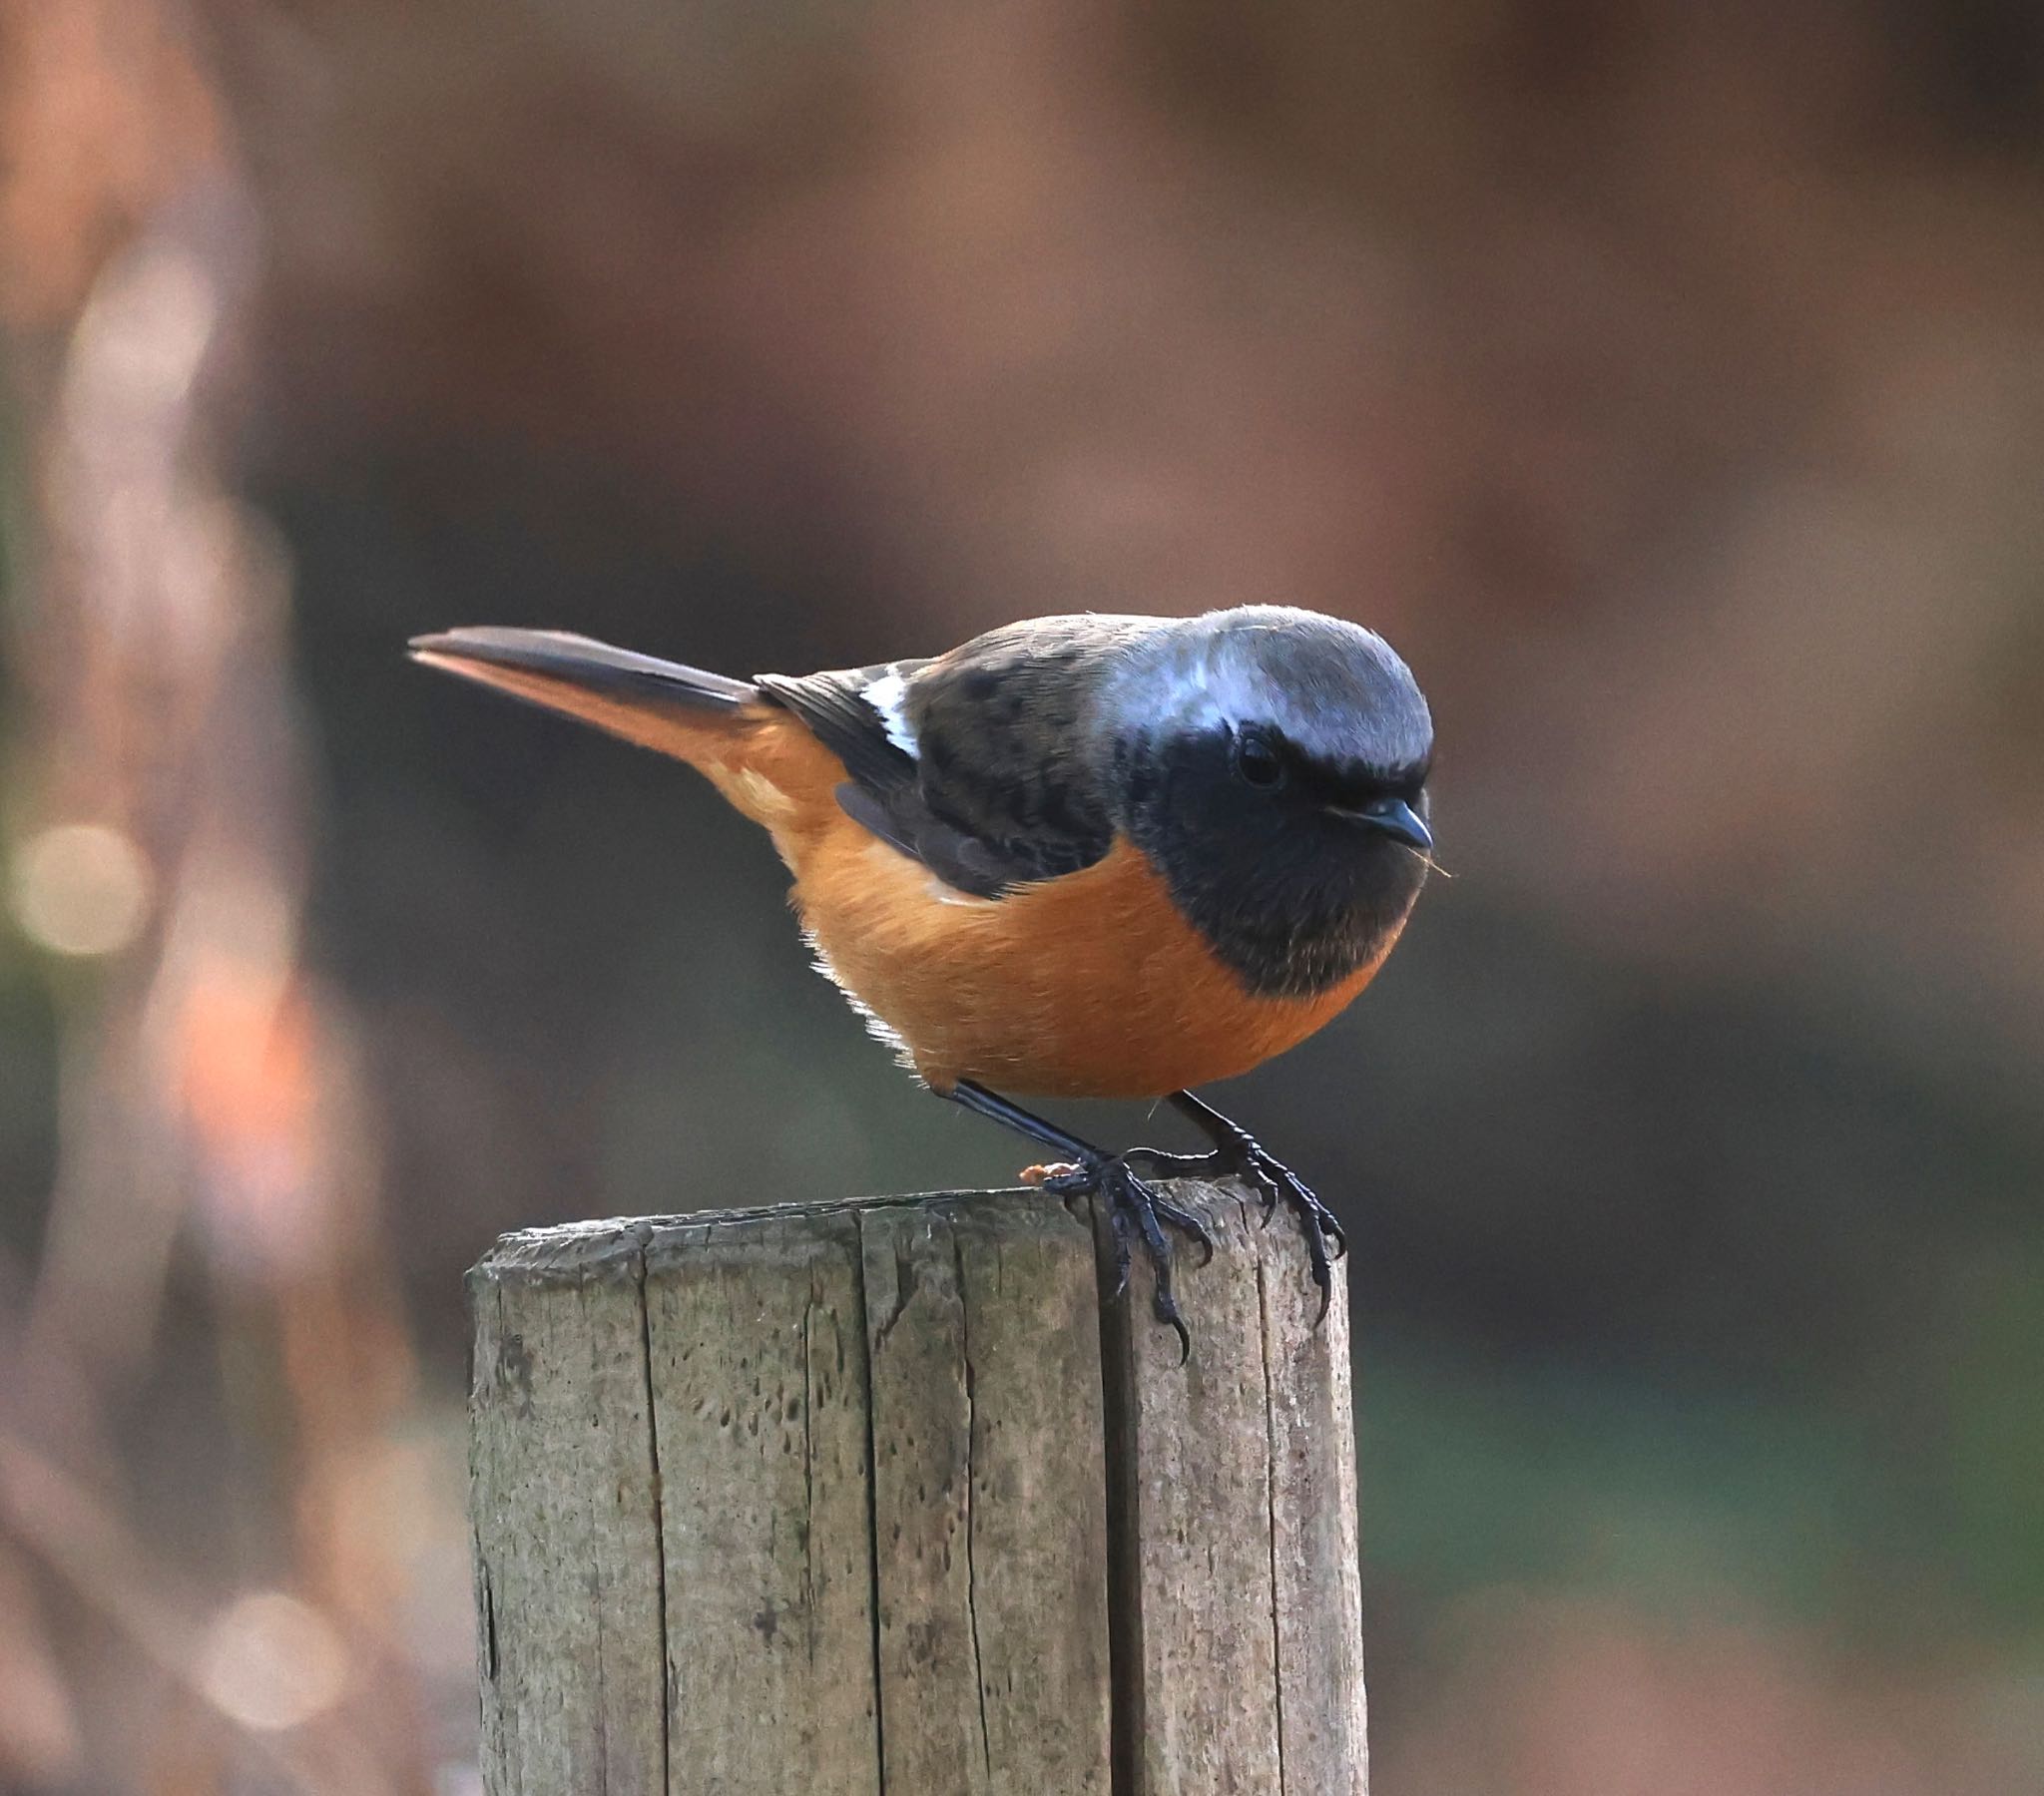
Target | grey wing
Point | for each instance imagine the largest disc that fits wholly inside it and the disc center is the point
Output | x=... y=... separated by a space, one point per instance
x=976 y=763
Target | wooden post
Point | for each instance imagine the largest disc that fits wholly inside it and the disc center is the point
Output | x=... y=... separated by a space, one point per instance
x=877 y=1499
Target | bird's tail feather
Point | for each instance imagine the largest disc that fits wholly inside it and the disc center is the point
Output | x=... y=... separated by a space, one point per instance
x=661 y=704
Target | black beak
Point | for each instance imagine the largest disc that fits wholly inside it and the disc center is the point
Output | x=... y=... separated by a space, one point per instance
x=1395 y=818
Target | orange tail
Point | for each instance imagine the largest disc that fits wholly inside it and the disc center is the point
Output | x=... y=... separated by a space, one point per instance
x=656 y=704
x=757 y=754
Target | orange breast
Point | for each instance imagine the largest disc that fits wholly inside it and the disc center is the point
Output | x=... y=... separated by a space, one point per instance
x=1088 y=986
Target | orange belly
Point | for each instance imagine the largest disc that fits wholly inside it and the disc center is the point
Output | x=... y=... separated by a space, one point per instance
x=1087 y=986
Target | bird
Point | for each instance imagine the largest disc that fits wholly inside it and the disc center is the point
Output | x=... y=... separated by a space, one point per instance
x=1093 y=855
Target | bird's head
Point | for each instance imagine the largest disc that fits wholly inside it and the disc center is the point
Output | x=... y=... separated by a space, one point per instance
x=1272 y=765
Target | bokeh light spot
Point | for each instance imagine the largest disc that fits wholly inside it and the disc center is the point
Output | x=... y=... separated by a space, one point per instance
x=271 y=1662
x=80 y=889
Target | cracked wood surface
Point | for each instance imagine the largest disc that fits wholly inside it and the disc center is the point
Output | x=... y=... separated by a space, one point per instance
x=877 y=1499
x=1238 y=1603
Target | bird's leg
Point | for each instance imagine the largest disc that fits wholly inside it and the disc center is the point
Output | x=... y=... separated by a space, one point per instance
x=1134 y=1206
x=1239 y=1154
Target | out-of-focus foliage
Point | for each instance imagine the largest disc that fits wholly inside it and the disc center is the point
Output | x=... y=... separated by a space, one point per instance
x=1667 y=381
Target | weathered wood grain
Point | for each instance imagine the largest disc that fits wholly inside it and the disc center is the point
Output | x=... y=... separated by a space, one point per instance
x=1315 y=1557
x=756 y=1344
x=1239 y=1602
x=990 y=1495
x=876 y=1500
x=567 y=1552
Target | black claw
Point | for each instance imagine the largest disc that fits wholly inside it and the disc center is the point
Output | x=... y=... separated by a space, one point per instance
x=1238 y=1153
x=1163 y=1300
x=1319 y=1226
x=1323 y=1277
x=1187 y=1221
x=1134 y=1208
x=1121 y=1265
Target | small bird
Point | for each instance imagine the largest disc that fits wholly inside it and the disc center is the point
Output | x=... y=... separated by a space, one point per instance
x=1093 y=857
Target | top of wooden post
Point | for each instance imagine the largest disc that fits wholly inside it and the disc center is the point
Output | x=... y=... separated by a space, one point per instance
x=879 y=1497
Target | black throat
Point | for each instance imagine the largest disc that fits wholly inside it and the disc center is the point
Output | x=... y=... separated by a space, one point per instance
x=1290 y=897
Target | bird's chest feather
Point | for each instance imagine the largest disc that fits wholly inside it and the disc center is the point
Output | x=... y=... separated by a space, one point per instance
x=1090 y=985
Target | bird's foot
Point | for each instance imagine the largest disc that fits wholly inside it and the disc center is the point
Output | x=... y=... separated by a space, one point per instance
x=1136 y=1209
x=1238 y=1154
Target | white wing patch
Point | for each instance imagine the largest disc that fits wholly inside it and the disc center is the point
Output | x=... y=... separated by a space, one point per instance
x=889 y=696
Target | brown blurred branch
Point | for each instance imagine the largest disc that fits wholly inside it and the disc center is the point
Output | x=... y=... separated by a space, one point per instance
x=208 y=1091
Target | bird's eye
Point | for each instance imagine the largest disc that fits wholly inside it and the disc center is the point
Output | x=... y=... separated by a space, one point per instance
x=1259 y=760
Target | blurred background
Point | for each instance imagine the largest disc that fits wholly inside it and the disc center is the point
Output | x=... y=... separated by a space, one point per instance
x=1667 y=381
